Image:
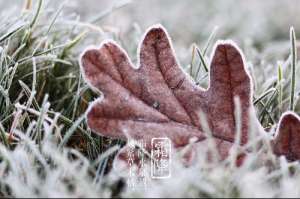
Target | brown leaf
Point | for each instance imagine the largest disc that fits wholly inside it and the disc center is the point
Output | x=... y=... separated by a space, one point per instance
x=287 y=141
x=158 y=99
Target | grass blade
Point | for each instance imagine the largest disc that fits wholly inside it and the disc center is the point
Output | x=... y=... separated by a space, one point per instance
x=71 y=130
x=34 y=20
x=280 y=91
x=293 y=65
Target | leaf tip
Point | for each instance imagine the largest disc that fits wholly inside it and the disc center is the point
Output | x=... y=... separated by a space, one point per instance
x=91 y=55
x=287 y=137
x=227 y=44
x=155 y=31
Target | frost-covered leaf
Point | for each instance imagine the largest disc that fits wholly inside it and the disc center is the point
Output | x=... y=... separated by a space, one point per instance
x=157 y=99
x=287 y=141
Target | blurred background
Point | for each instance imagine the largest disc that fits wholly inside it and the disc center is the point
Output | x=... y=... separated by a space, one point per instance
x=187 y=21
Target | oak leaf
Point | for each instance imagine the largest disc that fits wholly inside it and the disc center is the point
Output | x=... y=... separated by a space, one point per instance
x=158 y=99
x=287 y=140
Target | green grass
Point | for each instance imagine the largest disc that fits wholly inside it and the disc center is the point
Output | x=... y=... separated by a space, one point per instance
x=39 y=66
x=293 y=65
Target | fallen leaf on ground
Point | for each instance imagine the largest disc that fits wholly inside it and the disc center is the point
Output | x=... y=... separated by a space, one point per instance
x=287 y=140
x=158 y=99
